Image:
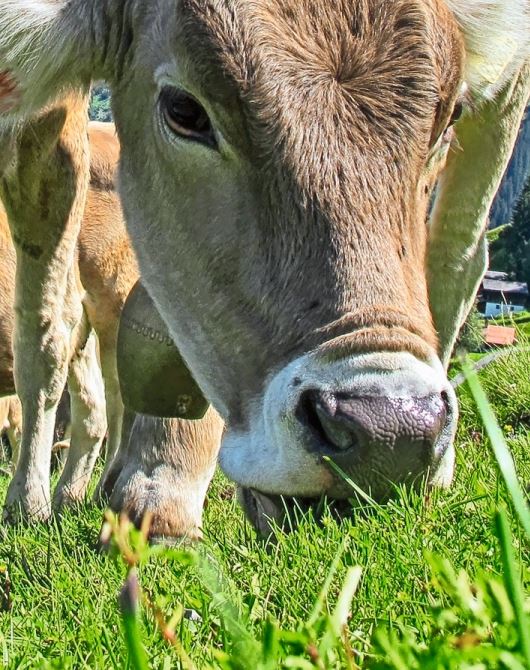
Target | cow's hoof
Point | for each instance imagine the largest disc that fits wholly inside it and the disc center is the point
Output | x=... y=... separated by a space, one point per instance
x=68 y=496
x=175 y=508
x=26 y=502
x=72 y=487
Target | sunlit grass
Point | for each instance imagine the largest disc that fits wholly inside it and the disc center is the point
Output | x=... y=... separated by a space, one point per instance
x=394 y=571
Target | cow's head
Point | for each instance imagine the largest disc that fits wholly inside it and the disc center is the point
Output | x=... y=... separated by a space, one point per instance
x=278 y=157
x=278 y=203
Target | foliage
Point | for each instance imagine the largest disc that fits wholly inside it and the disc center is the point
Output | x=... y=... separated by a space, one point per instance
x=100 y=105
x=321 y=641
x=477 y=630
x=471 y=336
x=488 y=623
x=507 y=378
x=485 y=624
x=511 y=252
x=493 y=234
x=516 y=174
x=441 y=587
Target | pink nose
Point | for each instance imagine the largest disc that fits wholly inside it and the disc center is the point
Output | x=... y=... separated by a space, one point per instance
x=355 y=424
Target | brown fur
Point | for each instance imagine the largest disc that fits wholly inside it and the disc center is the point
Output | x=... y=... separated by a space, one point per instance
x=107 y=265
x=178 y=453
x=304 y=228
x=11 y=423
x=166 y=471
x=374 y=114
x=7 y=301
x=335 y=109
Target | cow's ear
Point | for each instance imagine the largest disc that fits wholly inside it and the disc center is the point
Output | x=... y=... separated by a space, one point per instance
x=497 y=39
x=46 y=46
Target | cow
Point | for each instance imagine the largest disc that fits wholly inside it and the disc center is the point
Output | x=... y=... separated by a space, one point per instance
x=278 y=163
x=101 y=246
x=107 y=270
x=50 y=149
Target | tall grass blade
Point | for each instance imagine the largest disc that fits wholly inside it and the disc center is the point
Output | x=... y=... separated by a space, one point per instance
x=317 y=608
x=129 y=606
x=342 y=610
x=500 y=448
x=513 y=582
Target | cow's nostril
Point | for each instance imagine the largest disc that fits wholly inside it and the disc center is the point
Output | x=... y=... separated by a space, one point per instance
x=342 y=422
x=320 y=413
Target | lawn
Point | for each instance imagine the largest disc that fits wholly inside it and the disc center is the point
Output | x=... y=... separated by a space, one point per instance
x=59 y=595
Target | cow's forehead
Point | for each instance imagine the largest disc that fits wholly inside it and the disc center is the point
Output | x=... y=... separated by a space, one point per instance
x=366 y=62
x=323 y=39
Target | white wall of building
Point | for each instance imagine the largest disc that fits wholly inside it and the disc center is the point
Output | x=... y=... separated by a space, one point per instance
x=498 y=309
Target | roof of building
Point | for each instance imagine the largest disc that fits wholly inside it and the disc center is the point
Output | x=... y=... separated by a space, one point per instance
x=494 y=274
x=500 y=335
x=517 y=287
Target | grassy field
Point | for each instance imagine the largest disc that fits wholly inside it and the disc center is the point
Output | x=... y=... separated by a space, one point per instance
x=256 y=602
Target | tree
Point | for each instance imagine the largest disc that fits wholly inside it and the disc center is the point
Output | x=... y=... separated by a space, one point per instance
x=514 y=179
x=100 y=108
x=511 y=252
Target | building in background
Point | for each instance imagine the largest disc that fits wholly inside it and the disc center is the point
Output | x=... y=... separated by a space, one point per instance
x=498 y=295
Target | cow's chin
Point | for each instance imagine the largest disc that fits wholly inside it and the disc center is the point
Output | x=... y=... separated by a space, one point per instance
x=280 y=454
x=269 y=489
x=268 y=511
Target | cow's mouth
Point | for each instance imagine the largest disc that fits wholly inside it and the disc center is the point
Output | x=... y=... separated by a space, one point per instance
x=267 y=511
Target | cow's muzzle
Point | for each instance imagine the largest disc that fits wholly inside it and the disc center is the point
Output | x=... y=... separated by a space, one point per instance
x=379 y=419
x=376 y=419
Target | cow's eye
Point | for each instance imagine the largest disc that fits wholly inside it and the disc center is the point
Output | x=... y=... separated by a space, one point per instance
x=186 y=117
x=457 y=113
x=449 y=133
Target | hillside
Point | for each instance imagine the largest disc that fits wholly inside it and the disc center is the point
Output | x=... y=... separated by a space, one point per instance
x=514 y=179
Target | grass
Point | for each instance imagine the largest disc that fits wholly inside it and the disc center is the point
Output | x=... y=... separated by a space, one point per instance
x=284 y=604
x=515 y=318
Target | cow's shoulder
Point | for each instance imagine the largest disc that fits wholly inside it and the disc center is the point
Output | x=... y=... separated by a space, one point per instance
x=104 y=155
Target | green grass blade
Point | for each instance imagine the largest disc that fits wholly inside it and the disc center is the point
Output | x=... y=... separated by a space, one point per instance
x=341 y=613
x=129 y=598
x=355 y=487
x=513 y=582
x=317 y=608
x=500 y=448
x=391 y=651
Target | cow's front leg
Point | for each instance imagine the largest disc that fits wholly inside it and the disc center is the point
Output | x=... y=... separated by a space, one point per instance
x=166 y=473
x=87 y=401
x=457 y=254
x=40 y=376
x=115 y=408
x=44 y=191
